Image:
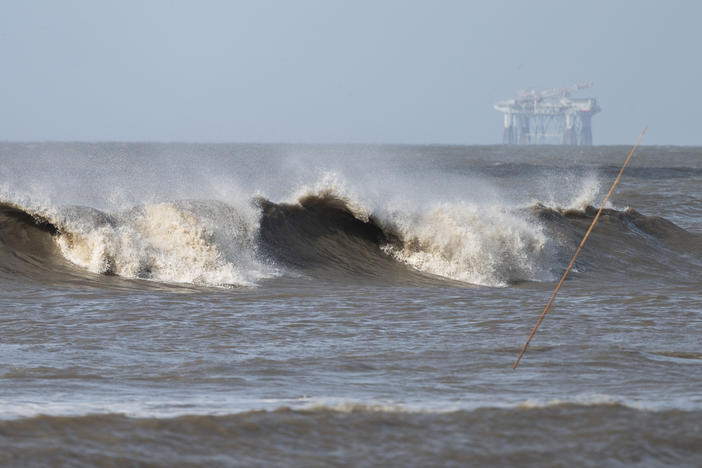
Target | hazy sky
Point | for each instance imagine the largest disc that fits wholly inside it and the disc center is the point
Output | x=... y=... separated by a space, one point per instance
x=340 y=71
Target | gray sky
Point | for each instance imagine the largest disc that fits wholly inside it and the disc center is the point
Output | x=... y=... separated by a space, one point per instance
x=340 y=71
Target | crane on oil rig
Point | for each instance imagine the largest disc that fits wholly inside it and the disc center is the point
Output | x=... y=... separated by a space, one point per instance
x=549 y=116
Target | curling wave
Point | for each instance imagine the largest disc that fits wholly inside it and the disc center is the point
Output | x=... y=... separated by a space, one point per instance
x=327 y=236
x=183 y=242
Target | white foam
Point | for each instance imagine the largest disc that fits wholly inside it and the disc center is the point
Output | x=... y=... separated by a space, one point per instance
x=479 y=244
x=142 y=406
x=486 y=243
x=185 y=242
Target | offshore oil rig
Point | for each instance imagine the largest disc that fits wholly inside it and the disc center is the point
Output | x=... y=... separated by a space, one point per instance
x=549 y=117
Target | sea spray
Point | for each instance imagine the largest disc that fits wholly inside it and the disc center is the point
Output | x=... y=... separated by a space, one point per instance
x=485 y=245
x=184 y=242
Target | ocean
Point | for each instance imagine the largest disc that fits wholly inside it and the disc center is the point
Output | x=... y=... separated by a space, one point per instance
x=172 y=304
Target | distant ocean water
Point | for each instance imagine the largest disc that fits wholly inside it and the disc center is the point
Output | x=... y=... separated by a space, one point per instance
x=310 y=305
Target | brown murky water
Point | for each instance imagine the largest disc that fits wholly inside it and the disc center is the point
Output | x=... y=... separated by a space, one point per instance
x=312 y=305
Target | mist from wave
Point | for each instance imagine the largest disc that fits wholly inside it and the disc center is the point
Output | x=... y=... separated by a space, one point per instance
x=213 y=243
x=234 y=223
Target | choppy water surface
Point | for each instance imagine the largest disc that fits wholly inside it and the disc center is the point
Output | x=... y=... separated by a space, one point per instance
x=314 y=305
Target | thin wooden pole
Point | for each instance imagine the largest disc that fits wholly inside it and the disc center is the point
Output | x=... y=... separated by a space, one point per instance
x=580 y=247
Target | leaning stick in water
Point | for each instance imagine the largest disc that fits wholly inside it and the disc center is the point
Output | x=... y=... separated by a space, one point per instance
x=580 y=247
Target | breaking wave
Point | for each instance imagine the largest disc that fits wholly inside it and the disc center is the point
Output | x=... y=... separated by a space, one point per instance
x=208 y=243
x=326 y=234
x=460 y=241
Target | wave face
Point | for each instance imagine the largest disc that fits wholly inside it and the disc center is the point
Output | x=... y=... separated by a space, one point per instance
x=193 y=242
x=26 y=245
x=623 y=241
x=489 y=245
x=401 y=218
x=326 y=235
x=458 y=241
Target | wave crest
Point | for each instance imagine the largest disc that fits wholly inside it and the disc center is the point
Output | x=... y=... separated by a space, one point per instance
x=479 y=245
x=328 y=234
x=185 y=242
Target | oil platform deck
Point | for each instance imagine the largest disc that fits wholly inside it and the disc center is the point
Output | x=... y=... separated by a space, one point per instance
x=549 y=117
